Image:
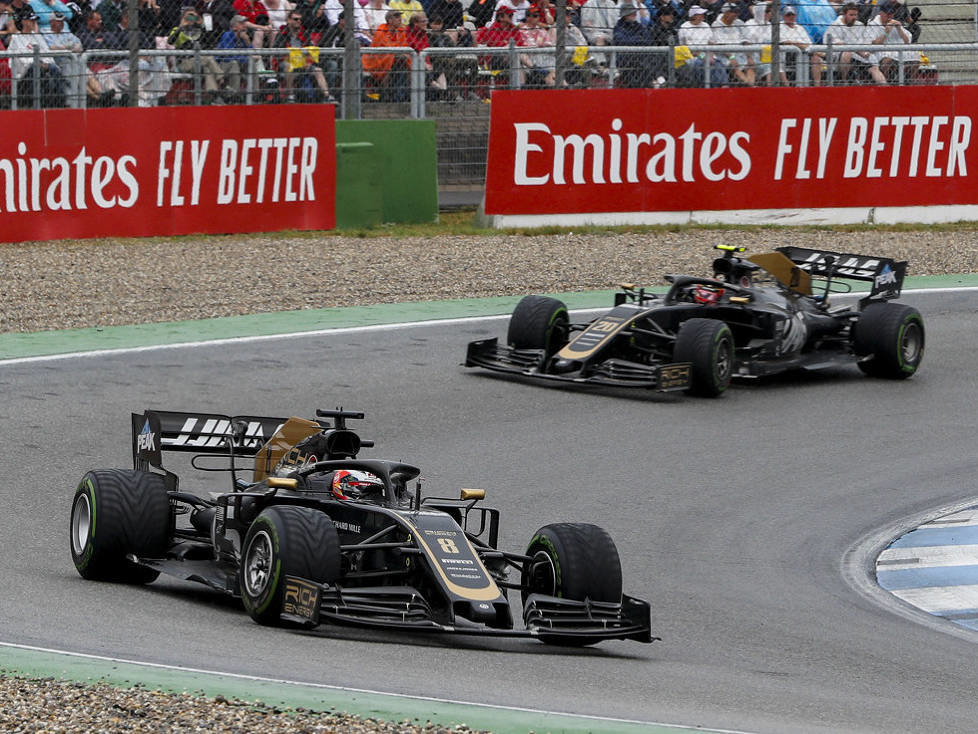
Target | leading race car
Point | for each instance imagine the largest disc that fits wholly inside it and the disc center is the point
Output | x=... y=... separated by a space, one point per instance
x=756 y=316
x=316 y=534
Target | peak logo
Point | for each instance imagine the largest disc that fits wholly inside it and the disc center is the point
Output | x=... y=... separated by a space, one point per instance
x=886 y=277
x=146 y=440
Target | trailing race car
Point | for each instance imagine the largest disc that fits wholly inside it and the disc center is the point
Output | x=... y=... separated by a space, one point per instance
x=317 y=534
x=757 y=316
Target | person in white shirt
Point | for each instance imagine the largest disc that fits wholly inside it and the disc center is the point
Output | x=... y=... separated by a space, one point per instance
x=728 y=30
x=22 y=67
x=335 y=7
x=846 y=30
x=697 y=32
x=886 y=30
x=758 y=30
x=60 y=38
x=376 y=13
x=598 y=20
x=519 y=8
x=795 y=35
x=278 y=12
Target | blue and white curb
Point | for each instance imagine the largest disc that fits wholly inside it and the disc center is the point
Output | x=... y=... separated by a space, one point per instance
x=935 y=568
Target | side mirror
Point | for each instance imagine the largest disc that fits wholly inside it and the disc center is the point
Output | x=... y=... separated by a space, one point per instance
x=473 y=494
x=282 y=483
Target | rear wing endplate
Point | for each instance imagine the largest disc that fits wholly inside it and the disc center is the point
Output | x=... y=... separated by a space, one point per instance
x=156 y=431
x=885 y=274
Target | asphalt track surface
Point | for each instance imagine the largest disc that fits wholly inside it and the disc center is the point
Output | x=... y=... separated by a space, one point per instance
x=748 y=522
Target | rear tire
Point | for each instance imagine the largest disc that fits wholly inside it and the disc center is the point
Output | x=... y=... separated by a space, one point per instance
x=116 y=512
x=572 y=561
x=538 y=322
x=285 y=541
x=708 y=345
x=893 y=335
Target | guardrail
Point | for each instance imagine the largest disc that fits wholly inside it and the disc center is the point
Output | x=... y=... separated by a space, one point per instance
x=315 y=74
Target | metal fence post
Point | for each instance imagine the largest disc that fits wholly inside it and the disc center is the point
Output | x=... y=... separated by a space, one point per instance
x=36 y=77
x=514 y=66
x=197 y=74
x=829 y=60
x=423 y=97
x=560 y=43
x=250 y=79
x=671 y=63
x=417 y=84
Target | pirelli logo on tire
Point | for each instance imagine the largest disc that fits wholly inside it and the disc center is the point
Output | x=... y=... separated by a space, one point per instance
x=300 y=600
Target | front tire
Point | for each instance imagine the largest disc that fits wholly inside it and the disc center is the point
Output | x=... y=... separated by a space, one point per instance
x=893 y=335
x=572 y=561
x=538 y=322
x=708 y=345
x=116 y=512
x=285 y=541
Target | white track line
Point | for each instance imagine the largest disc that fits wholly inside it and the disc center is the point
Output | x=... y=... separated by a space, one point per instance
x=347 y=330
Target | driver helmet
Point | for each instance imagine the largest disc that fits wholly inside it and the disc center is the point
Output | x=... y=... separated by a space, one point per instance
x=707 y=294
x=354 y=484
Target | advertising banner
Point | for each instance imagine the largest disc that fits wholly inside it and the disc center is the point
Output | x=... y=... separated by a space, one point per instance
x=672 y=150
x=166 y=171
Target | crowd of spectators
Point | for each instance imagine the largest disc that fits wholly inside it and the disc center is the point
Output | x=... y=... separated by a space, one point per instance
x=715 y=31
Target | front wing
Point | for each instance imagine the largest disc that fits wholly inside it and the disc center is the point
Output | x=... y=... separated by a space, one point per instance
x=491 y=355
x=402 y=607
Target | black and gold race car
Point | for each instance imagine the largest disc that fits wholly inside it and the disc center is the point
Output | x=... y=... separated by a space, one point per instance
x=756 y=316
x=316 y=535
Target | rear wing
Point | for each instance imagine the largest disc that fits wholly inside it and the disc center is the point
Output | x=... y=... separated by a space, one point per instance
x=156 y=431
x=885 y=274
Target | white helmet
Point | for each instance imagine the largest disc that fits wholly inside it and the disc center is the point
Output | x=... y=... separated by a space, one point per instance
x=354 y=484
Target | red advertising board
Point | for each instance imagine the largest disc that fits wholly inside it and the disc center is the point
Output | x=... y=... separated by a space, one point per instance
x=166 y=171
x=662 y=150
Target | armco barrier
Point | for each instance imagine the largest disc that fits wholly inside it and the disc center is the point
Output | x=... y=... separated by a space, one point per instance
x=768 y=156
x=408 y=170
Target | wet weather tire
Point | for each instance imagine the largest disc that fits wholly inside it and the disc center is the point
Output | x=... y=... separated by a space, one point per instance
x=708 y=345
x=572 y=561
x=538 y=322
x=893 y=335
x=285 y=541
x=116 y=512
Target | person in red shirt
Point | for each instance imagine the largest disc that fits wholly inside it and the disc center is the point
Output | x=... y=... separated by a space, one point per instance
x=498 y=35
x=256 y=20
x=501 y=32
x=417 y=32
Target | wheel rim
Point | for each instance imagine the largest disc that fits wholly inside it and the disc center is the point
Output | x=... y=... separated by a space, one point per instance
x=910 y=344
x=543 y=575
x=724 y=361
x=81 y=523
x=258 y=563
